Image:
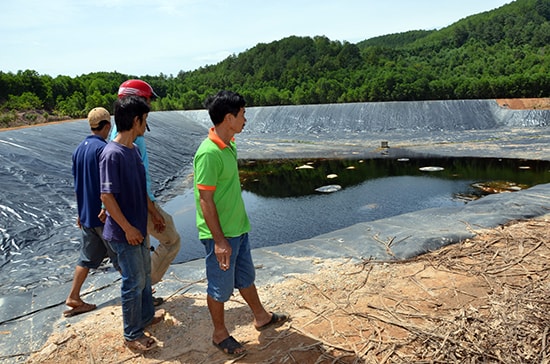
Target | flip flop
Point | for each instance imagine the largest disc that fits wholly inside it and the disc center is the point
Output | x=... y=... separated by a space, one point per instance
x=157 y=301
x=229 y=345
x=83 y=308
x=142 y=344
x=277 y=319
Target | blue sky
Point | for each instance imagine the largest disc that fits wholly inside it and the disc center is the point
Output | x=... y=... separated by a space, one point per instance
x=138 y=37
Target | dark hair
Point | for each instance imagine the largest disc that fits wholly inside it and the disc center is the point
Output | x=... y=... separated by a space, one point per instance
x=223 y=103
x=127 y=108
x=101 y=125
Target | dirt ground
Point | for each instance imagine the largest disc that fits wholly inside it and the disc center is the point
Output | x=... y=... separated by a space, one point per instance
x=483 y=300
x=521 y=104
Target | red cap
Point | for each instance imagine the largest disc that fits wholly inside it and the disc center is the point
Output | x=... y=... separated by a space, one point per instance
x=136 y=88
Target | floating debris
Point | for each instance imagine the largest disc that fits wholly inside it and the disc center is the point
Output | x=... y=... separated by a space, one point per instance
x=403 y=159
x=370 y=206
x=466 y=197
x=524 y=167
x=431 y=169
x=498 y=186
x=305 y=166
x=332 y=175
x=350 y=167
x=329 y=188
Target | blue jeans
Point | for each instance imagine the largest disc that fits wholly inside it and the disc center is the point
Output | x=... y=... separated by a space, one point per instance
x=135 y=291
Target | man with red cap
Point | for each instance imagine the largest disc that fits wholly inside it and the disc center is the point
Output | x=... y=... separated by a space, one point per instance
x=168 y=237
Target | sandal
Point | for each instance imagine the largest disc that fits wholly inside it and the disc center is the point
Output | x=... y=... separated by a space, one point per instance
x=277 y=319
x=142 y=344
x=230 y=346
x=83 y=308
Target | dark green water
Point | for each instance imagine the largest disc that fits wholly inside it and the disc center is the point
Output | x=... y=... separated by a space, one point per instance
x=284 y=207
x=285 y=178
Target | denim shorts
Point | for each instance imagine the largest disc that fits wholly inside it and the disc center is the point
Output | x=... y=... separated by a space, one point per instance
x=241 y=273
x=94 y=249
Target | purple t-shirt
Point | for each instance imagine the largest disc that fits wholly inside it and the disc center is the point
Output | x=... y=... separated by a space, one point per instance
x=122 y=173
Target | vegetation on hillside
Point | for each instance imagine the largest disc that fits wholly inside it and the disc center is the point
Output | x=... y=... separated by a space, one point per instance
x=501 y=53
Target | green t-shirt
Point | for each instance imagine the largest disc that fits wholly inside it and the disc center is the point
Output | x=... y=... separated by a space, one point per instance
x=215 y=168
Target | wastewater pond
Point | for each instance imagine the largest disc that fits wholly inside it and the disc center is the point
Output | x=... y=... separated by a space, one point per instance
x=294 y=199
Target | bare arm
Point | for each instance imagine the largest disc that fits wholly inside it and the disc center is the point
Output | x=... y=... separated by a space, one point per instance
x=133 y=235
x=222 y=248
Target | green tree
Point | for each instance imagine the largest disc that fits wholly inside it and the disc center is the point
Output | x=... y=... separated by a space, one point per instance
x=24 y=102
x=73 y=106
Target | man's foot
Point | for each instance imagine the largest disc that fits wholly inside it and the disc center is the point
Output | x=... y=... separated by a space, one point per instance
x=77 y=310
x=230 y=346
x=277 y=319
x=142 y=344
x=158 y=317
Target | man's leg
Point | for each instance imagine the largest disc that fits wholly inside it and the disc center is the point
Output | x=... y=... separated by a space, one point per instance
x=135 y=289
x=80 y=274
x=92 y=252
x=220 y=331
x=250 y=295
x=168 y=248
x=218 y=319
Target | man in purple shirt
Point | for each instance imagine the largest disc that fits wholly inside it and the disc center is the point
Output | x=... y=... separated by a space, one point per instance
x=124 y=195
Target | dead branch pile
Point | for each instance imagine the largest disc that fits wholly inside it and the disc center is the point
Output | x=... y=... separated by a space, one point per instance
x=484 y=300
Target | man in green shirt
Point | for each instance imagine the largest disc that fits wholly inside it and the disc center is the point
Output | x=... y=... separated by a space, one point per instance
x=223 y=223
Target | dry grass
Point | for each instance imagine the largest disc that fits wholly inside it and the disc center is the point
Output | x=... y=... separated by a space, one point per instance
x=483 y=300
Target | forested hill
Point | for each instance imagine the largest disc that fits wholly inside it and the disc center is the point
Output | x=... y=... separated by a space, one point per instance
x=503 y=53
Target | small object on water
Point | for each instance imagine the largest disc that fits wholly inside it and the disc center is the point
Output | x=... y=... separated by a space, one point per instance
x=403 y=159
x=466 y=197
x=524 y=167
x=384 y=144
x=305 y=166
x=498 y=186
x=431 y=169
x=332 y=175
x=350 y=167
x=329 y=188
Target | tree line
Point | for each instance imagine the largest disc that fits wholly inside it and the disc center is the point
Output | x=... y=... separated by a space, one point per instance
x=501 y=53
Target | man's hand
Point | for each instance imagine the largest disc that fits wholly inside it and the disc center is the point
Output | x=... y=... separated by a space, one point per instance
x=158 y=221
x=223 y=252
x=102 y=216
x=134 y=236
